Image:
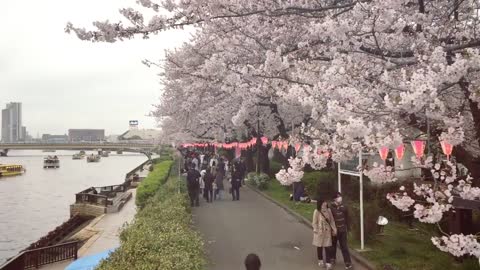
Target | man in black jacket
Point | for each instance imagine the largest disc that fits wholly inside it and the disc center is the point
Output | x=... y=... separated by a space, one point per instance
x=193 y=185
x=340 y=214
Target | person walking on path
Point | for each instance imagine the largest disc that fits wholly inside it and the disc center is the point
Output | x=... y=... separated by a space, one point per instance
x=324 y=229
x=219 y=182
x=252 y=262
x=193 y=185
x=208 y=191
x=340 y=214
x=236 y=181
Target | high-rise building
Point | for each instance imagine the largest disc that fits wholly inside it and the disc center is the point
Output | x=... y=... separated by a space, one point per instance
x=12 y=129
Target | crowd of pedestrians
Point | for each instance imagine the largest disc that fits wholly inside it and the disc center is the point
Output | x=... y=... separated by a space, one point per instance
x=207 y=174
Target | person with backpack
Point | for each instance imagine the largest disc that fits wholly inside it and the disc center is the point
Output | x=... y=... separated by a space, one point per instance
x=193 y=185
x=324 y=229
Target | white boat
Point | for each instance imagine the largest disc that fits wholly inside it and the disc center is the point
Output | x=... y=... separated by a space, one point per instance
x=93 y=158
x=78 y=156
x=51 y=162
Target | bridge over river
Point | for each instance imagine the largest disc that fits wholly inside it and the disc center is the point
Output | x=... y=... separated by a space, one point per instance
x=137 y=147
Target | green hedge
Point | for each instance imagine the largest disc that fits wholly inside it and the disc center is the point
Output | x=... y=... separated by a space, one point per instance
x=150 y=185
x=259 y=180
x=161 y=236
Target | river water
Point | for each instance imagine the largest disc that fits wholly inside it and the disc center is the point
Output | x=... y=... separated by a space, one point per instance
x=36 y=202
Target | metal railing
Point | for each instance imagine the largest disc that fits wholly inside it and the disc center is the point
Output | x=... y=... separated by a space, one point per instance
x=35 y=258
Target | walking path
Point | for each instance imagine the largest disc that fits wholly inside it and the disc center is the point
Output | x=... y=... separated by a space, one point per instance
x=232 y=229
x=106 y=229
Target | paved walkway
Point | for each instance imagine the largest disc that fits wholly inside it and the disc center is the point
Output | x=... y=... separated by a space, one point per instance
x=231 y=230
x=106 y=230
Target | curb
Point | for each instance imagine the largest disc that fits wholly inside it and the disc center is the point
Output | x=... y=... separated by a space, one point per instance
x=356 y=256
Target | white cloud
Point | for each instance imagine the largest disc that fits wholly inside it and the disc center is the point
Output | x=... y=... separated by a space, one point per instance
x=67 y=83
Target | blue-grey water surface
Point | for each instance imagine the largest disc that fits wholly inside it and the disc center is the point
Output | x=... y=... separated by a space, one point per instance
x=36 y=202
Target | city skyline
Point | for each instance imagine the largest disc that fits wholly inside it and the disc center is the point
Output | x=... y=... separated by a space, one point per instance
x=64 y=82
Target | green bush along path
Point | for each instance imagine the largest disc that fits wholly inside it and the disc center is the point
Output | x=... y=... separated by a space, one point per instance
x=161 y=236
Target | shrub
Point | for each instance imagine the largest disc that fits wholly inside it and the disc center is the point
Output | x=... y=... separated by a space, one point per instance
x=259 y=180
x=320 y=184
x=371 y=213
x=161 y=236
x=150 y=185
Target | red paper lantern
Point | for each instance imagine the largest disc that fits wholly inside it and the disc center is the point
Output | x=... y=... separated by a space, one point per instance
x=274 y=144
x=447 y=148
x=285 y=145
x=400 y=151
x=418 y=148
x=383 y=152
x=297 y=147
x=264 y=140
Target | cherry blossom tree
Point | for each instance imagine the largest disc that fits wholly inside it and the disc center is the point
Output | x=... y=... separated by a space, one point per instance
x=357 y=75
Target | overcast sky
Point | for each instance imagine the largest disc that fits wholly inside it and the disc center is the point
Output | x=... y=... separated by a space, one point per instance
x=67 y=83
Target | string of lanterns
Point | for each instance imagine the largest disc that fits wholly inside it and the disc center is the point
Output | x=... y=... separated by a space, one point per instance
x=418 y=148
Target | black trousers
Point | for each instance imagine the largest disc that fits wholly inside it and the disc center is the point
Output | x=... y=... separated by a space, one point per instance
x=328 y=252
x=208 y=194
x=193 y=194
x=235 y=193
x=342 y=240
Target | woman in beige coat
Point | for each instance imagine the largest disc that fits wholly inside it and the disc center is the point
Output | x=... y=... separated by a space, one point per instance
x=323 y=228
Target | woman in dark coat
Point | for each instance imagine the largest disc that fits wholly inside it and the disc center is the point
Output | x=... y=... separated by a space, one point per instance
x=219 y=182
x=208 y=180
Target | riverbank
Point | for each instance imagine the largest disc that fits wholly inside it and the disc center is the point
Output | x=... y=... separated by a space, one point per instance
x=35 y=203
x=85 y=234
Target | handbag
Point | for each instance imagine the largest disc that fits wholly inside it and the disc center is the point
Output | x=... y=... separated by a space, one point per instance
x=331 y=228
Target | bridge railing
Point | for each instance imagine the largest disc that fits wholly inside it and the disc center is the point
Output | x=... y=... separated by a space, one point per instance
x=35 y=258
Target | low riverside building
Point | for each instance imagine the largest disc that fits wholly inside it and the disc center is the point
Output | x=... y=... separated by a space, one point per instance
x=87 y=135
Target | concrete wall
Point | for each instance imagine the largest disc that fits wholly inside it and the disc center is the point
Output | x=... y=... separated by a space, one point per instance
x=87 y=210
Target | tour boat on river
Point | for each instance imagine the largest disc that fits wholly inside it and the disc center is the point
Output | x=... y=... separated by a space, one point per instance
x=51 y=162
x=105 y=153
x=93 y=158
x=11 y=170
x=78 y=156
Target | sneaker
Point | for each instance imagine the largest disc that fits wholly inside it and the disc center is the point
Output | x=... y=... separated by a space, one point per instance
x=348 y=267
x=329 y=266
x=321 y=264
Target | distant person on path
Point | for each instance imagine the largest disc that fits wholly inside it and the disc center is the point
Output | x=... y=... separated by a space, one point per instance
x=252 y=262
x=208 y=191
x=340 y=214
x=324 y=229
x=196 y=163
x=219 y=182
x=202 y=182
x=243 y=169
x=236 y=181
x=193 y=185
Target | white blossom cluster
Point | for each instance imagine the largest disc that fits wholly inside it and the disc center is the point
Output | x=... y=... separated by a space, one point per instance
x=291 y=175
x=380 y=174
x=458 y=244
